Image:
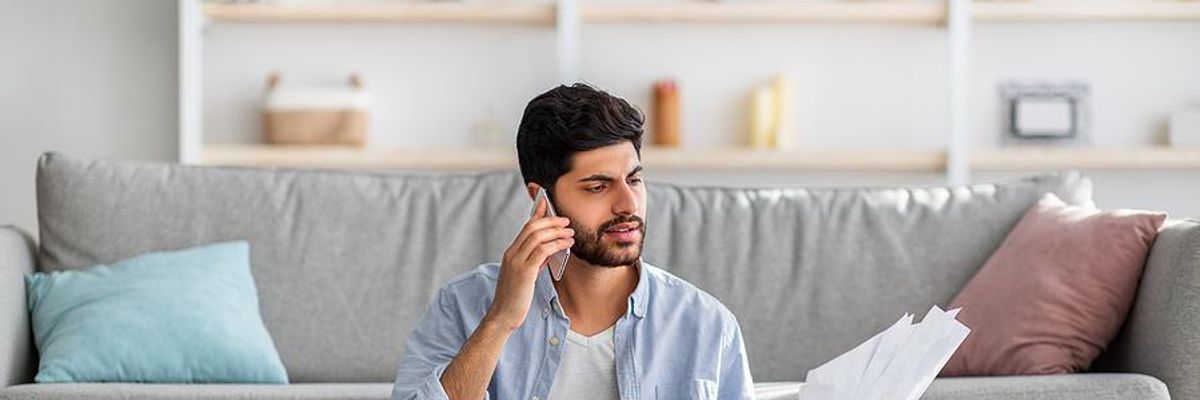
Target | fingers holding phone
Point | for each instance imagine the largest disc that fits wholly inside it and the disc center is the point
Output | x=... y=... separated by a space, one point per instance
x=558 y=260
x=542 y=236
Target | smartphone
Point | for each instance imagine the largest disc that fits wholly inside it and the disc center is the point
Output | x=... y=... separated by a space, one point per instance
x=558 y=261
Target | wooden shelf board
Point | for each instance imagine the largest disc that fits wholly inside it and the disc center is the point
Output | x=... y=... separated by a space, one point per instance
x=493 y=159
x=1080 y=10
x=358 y=158
x=714 y=159
x=865 y=11
x=400 y=12
x=1159 y=157
x=931 y=12
x=813 y=160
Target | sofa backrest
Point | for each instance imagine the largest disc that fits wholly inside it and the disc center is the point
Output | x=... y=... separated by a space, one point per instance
x=346 y=262
x=811 y=273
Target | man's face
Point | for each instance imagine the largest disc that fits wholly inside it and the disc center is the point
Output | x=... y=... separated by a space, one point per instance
x=604 y=197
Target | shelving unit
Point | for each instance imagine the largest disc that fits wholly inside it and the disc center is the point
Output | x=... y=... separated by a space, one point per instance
x=566 y=18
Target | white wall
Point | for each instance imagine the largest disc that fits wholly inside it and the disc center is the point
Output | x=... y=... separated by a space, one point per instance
x=87 y=78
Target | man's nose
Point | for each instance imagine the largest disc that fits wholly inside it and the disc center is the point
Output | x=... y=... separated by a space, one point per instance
x=626 y=203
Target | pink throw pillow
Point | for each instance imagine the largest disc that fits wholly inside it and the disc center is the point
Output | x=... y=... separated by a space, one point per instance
x=1055 y=293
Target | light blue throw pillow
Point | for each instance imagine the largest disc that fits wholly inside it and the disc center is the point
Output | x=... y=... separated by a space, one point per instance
x=188 y=316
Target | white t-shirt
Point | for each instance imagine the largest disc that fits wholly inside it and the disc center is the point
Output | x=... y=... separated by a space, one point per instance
x=588 y=370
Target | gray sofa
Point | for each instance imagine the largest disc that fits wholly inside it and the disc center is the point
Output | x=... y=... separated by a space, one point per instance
x=345 y=263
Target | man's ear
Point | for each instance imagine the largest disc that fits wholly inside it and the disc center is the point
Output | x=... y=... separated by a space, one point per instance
x=533 y=189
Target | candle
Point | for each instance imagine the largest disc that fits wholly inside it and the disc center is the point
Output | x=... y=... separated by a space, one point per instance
x=666 y=113
x=785 y=89
x=762 y=118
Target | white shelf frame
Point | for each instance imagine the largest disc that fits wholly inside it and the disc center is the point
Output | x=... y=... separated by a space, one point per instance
x=568 y=16
x=191 y=75
x=958 y=46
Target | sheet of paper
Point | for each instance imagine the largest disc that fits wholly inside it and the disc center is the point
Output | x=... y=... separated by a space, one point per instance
x=894 y=338
x=896 y=364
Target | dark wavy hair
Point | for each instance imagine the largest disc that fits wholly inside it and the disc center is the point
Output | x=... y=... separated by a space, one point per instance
x=568 y=120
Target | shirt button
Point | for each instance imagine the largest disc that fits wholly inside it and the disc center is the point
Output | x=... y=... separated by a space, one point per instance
x=545 y=311
x=535 y=398
x=554 y=340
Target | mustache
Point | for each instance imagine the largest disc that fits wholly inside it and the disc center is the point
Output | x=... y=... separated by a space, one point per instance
x=623 y=219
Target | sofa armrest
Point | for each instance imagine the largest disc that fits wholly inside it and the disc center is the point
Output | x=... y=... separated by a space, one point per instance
x=18 y=359
x=1161 y=336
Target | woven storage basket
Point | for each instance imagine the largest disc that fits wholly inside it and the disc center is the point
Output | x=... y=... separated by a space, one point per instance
x=316 y=115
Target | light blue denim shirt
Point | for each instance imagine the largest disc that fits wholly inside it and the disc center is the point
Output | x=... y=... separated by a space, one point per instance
x=674 y=342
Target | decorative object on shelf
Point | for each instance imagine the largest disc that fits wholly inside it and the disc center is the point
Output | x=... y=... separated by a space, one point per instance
x=771 y=117
x=1184 y=129
x=316 y=114
x=488 y=131
x=666 y=114
x=762 y=117
x=1045 y=112
x=785 y=97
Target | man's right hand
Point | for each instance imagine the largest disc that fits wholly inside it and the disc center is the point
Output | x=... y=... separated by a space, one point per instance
x=541 y=237
x=468 y=374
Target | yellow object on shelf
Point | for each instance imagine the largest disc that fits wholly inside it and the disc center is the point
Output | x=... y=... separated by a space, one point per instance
x=762 y=117
x=785 y=98
x=772 y=122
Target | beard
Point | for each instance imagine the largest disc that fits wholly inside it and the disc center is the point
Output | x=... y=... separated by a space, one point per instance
x=590 y=245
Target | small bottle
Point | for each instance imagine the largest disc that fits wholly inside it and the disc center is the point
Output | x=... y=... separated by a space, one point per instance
x=666 y=113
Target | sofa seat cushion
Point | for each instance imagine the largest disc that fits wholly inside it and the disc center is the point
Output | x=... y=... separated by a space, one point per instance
x=132 y=391
x=1047 y=387
x=1056 y=387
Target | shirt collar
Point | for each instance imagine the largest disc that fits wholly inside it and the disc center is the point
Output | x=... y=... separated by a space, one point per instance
x=544 y=287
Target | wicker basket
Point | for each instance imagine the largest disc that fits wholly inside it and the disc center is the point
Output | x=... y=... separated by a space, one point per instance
x=316 y=115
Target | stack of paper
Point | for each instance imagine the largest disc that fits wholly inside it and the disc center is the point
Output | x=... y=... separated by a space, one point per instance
x=897 y=364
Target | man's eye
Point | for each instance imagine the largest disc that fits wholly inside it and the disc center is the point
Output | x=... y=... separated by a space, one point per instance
x=636 y=181
x=595 y=189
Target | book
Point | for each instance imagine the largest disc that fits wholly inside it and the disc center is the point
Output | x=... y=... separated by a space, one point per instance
x=896 y=364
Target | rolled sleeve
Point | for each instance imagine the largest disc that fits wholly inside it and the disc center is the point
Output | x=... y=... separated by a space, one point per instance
x=432 y=388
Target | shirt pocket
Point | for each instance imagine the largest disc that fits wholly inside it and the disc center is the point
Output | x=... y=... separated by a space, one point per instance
x=695 y=389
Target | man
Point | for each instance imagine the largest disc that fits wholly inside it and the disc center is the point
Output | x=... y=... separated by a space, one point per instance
x=614 y=327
